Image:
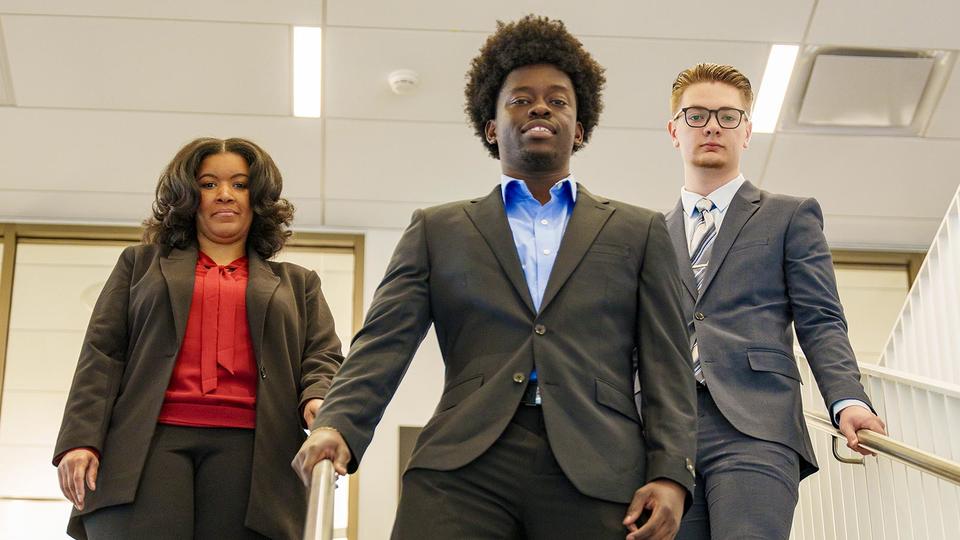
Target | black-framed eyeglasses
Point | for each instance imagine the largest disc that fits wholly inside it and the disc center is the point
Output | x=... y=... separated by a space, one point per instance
x=697 y=117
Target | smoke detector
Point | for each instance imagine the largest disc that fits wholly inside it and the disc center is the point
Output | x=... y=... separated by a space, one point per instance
x=403 y=81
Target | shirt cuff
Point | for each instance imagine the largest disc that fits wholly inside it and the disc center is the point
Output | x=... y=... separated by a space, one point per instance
x=843 y=404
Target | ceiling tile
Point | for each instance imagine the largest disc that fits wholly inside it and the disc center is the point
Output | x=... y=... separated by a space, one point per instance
x=865 y=176
x=640 y=74
x=128 y=64
x=886 y=23
x=879 y=233
x=753 y=20
x=425 y=163
x=372 y=214
x=299 y=12
x=358 y=61
x=125 y=152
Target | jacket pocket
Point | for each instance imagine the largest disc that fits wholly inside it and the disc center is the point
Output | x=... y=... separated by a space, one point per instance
x=606 y=250
x=458 y=391
x=609 y=396
x=774 y=361
x=747 y=244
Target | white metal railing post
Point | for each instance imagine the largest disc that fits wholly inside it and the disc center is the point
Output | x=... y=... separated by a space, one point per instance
x=319 y=524
x=924 y=337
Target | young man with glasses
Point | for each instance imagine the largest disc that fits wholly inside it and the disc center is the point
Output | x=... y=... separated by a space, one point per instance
x=752 y=264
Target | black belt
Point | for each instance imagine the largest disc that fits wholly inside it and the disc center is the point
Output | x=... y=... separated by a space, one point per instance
x=529 y=397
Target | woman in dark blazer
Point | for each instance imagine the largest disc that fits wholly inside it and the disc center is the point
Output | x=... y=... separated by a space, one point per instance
x=201 y=366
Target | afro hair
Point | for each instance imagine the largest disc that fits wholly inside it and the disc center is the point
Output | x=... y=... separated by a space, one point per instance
x=532 y=40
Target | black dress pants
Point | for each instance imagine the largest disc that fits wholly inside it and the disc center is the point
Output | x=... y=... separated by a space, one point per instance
x=195 y=484
x=515 y=490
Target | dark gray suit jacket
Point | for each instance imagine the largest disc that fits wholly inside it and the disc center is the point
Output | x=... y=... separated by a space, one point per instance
x=770 y=267
x=128 y=355
x=614 y=288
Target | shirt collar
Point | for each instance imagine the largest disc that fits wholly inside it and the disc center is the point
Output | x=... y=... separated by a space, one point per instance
x=204 y=260
x=514 y=190
x=721 y=197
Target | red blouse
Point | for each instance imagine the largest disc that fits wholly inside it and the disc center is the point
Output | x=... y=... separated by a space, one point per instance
x=214 y=382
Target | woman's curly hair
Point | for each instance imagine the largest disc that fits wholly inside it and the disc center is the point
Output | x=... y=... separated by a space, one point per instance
x=174 y=219
x=532 y=40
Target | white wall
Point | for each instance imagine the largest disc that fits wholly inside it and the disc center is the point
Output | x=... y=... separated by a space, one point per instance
x=411 y=406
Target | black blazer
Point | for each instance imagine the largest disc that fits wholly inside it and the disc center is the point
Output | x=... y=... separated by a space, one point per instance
x=614 y=289
x=128 y=354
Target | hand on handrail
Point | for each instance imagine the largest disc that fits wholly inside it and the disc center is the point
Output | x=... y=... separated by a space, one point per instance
x=323 y=443
x=855 y=418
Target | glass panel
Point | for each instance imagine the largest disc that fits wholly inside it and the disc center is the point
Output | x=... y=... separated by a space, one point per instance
x=55 y=287
x=336 y=280
x=34 y=519
x=872 y=298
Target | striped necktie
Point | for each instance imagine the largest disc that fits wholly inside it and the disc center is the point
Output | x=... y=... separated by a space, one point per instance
x=701 y=243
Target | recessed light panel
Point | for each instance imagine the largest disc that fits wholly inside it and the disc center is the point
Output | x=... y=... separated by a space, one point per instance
x=864 y=91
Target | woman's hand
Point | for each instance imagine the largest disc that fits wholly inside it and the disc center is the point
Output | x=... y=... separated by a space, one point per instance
x=310 y=411
x=78 y=470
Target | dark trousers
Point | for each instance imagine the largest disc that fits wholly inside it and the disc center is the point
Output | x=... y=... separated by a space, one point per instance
x=746 y=487
x=195 y=484
x=515 y=490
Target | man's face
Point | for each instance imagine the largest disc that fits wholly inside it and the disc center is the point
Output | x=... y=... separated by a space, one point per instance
x=536 y=125
x=710 y=146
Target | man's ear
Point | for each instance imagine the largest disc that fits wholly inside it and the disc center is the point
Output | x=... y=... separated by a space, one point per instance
x=672 y=131
x=746 y=142
x=490 y=131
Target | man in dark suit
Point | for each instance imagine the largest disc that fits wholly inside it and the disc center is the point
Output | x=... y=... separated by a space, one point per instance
x=752 y=264
x=540 y=294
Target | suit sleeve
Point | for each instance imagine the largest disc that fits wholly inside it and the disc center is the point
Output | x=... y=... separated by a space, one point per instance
x=818 y=315
x=100 y=366
x=381 y=352
x=321 y=352
x=664 y=365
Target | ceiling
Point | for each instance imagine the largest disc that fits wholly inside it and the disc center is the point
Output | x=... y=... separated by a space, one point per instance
x=104 y=92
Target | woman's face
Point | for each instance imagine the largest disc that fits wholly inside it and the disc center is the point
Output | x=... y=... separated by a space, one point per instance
x=224 y=215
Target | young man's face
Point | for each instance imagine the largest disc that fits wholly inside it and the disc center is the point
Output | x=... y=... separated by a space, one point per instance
x=711 y=146
x=536 y=125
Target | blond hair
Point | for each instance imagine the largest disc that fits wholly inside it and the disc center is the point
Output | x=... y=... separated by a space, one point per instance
x=707 y=72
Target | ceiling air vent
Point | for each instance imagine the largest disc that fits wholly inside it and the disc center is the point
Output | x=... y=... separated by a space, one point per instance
x=865 y=91
x=6 y=84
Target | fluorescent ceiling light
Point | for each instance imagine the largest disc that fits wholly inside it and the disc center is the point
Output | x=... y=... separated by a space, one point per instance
x=773 y=88
x=306 y=71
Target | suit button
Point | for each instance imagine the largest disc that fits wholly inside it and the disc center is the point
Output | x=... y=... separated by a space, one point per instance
x=698 y=316
x=519 y=377
x=540 y=329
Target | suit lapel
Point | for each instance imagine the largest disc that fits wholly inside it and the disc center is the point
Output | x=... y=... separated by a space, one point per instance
x=589 y=216
x=490 y=218
x=261 y=284
x=179 y=271
x=744 y=204
x=676 y=226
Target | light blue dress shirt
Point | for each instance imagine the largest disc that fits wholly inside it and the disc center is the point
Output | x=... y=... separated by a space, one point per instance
x=537 y=231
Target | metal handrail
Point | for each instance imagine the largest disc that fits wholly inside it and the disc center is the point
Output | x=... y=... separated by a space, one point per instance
x=893 y=449
x=319 y=524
